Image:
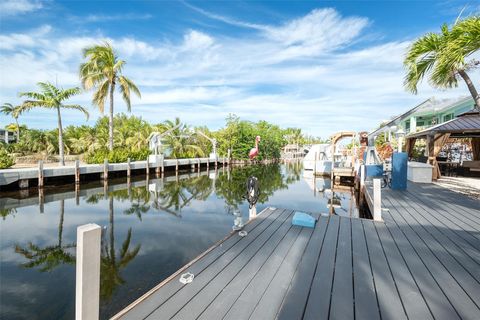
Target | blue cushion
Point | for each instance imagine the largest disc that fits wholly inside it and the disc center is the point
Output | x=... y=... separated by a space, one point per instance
x=303 y=220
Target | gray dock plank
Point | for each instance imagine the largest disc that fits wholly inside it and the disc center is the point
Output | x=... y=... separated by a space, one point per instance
x=415 y=305
x=295 y=302
x=389 y=300
x=342 y=304
x=318 y=304
x=269 y=304
x=366 y=305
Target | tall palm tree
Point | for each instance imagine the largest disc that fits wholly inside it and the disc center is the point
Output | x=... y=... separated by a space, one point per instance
x=52 y=97
x=443 y=57
x=14 y=111
x=103 y=72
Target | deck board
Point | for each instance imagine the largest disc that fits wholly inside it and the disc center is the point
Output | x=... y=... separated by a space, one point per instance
x=421 y=262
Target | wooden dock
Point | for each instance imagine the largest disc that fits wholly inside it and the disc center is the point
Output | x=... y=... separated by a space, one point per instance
x=24 y=175
x=422 y=262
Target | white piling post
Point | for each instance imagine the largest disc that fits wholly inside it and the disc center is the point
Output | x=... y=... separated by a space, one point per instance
x=129 y=168
x=77 y=171
x=87 y=298
x=362 y=176
x=377 y=200
x=252 y=212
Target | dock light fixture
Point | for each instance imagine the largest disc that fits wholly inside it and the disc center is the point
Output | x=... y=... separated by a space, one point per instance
x=400 y=134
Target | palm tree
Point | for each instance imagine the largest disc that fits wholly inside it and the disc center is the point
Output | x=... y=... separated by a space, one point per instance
x=52 y=97
x=14 y=111
x=180 y=142
x=103 y=71
x=443 y=56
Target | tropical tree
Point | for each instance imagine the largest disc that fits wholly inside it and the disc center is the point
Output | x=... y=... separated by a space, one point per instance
x=443 y=57
x=14 y=111
x=52 y=97
x=180 y=141
x=103 y=72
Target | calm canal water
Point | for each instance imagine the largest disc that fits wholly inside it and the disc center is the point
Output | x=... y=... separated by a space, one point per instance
x=150 y=230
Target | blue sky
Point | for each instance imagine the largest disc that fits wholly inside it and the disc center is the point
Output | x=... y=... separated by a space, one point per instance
x=323 y=66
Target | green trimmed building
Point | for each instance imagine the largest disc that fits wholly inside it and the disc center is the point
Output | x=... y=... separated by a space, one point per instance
x=427 y=114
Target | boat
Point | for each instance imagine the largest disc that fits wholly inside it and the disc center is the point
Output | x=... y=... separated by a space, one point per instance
x=322 y=165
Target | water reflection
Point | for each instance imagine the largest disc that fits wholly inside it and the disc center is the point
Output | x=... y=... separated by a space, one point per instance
x=112 y=263
x=49 y=257
x=152 y=227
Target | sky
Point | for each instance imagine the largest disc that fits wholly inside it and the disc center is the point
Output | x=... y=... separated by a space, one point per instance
x=323 y=66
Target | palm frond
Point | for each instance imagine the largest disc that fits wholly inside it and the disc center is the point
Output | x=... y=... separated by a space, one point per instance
x=77 y=107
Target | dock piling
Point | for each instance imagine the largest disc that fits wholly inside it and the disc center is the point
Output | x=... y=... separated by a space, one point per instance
x=129 y=168
x=377 y=200
x=362 y=176
x=40 y=174
x=77 y=171
x=87 y=297
x=105 y=169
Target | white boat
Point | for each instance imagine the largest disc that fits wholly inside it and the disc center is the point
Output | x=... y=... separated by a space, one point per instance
x=323 y=161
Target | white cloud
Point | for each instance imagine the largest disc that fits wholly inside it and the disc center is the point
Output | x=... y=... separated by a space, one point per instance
x=15 y=7
x=293 y=74
x=114 y=17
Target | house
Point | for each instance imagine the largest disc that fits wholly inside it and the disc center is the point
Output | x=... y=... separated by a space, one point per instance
x=429 y=113
x=7 y=136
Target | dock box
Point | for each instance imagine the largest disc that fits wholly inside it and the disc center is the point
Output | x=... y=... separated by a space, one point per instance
x=419 y=172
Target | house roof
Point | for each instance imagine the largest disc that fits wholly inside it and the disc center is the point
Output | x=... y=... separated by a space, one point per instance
x=466 y=125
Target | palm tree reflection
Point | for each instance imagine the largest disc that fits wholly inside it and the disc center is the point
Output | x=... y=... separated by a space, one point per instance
x=50 y=257
x=112 y=263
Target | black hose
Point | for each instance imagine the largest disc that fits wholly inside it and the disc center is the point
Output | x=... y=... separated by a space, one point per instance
x=253 y=191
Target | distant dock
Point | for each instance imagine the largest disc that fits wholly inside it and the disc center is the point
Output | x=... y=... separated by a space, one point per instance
x=26 y=177
x=421 y=262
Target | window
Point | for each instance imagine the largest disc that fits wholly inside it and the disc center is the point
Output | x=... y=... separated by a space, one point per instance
x=448 y=117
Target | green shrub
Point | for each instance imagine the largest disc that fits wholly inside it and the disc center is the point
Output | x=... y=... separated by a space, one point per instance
x=6 y=160
x=116 y=156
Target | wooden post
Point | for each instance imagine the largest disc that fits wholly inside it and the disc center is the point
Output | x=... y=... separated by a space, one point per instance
x=77 y=171
x=315 y=164
x=229 y=154
x=129 y=168
x=105 y=169
x=176 y=165
x=377 y=200
x=208 y=164
x=362 y=176
x=40 y=174
x=87 y=297
x=147 y=168
x=198 y=164
x=163 y=166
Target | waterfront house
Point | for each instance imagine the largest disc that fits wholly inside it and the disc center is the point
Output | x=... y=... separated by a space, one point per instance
x=7 y=136
x=427 y=114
